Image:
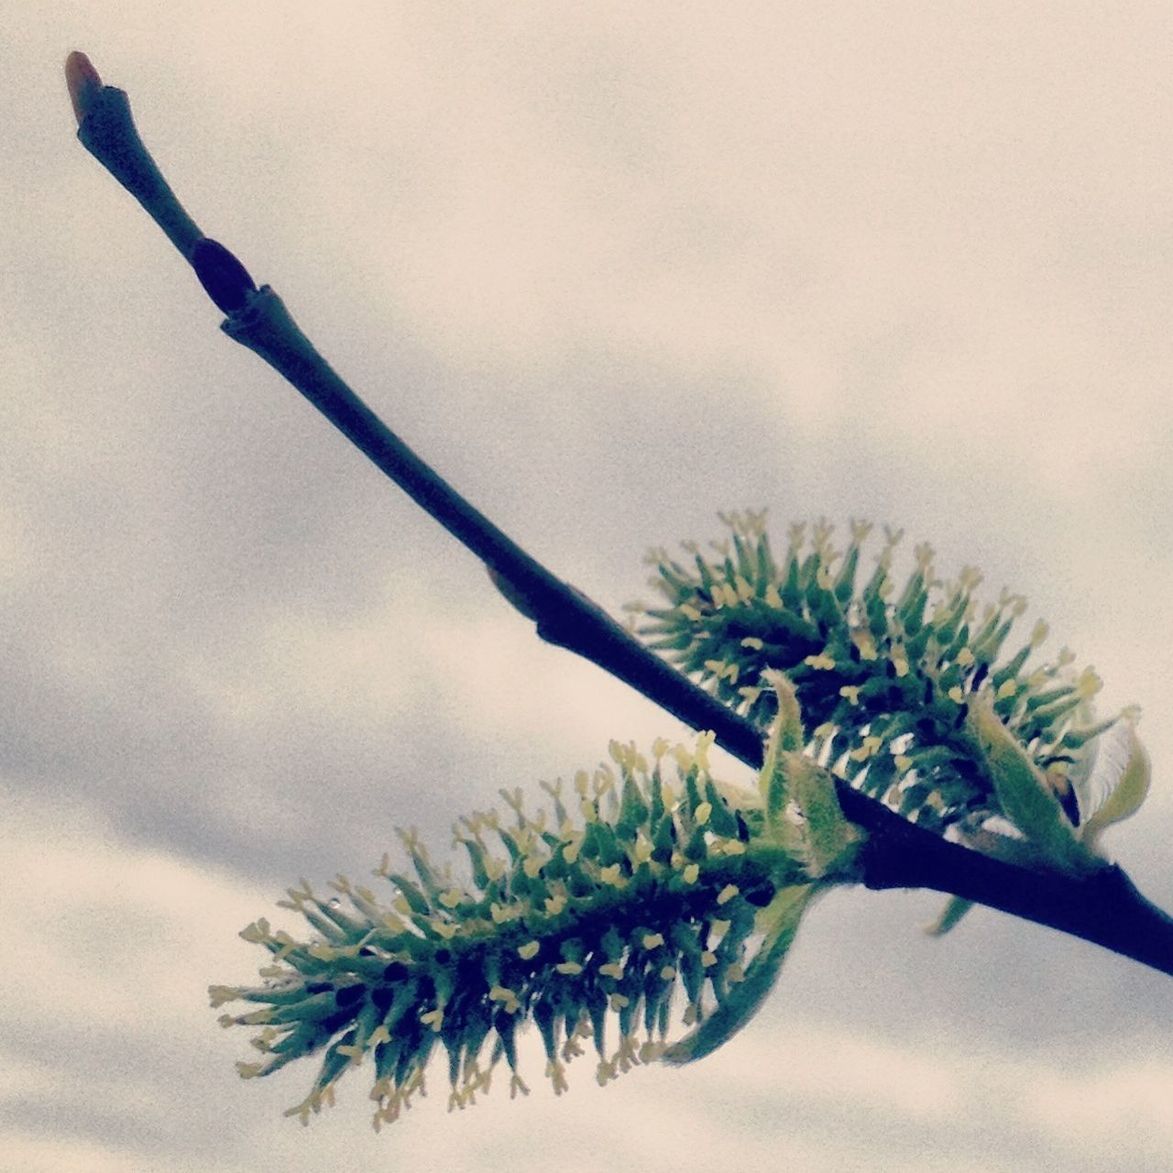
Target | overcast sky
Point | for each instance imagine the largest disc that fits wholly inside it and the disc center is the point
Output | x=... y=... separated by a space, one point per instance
x=611 y=268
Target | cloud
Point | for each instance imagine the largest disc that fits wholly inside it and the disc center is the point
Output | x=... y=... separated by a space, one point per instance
x=1117 y=1109
x=111 y=946
x=107 y=1050
x=611 y=269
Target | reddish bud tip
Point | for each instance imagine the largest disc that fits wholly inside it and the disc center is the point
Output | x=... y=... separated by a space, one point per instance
x=84 y=83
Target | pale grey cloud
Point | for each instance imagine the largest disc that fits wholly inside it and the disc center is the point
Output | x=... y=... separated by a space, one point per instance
x=110 y=944
x=611 y=270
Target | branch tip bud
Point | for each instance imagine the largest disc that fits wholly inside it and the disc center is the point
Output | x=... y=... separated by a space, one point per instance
x=83 y=82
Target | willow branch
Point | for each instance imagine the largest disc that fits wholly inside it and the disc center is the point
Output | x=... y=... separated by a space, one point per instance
x=1103 y=908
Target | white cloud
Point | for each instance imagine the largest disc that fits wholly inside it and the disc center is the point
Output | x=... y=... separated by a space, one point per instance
x=1112 y=1107
x=110 y=947
x=614 y=267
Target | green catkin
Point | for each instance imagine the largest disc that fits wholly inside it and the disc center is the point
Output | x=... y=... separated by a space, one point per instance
x=645 y=896
x=870 y=661
x=604 y=919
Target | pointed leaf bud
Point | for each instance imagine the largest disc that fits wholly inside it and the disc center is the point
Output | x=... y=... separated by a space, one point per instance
x=83 y=83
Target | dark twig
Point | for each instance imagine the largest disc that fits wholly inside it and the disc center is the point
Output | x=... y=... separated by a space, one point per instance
x=1103 y=908
x=259 y=320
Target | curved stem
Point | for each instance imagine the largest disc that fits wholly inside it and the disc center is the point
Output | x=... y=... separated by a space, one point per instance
x=1104 y=908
